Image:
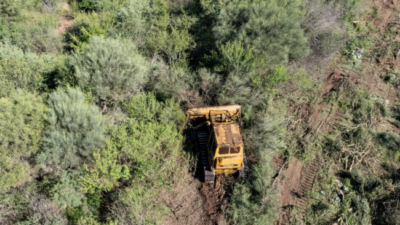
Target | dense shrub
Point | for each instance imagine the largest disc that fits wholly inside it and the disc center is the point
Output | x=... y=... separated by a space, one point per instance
x=236 y=90
x=111 y=69
x=271 y=28
x=74 y=131
x=105 y=171
x=11 y=7
x=138 y=203
x=132 y=20
x=169 y=37
x=25 y=206
x=22 y=70
x=84 y=28
x=66 y=192
x=33 y=31
x=21 y=124
x=176 y=83
x=149 y=140
x=253 y=202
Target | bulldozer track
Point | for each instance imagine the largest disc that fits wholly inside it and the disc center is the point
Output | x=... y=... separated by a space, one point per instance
x=279 y=163
x=245 y=171
x=306 y=183
x=200 y=137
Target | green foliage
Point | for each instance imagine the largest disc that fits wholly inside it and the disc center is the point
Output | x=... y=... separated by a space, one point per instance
x=271 y=28
x=74 y=131
x=237 y=58
x=22 y=70
x=145 y=107
x=236 y=90
x=21 y=124
x=351 y=8
x=172 y=44
x=105 y=173
x=66 y=191
x=266 y=81
x=138 y=204
x=176 y=83
x=169 y=37
x=389 y=140
x=31 y=31
x=363 y=107
x=96 y=5
x=149 y=140
x=253 y=202
x=152 y=146
x=263 y=135
x=83 y=29
x=11 y=7
x=111 y=68
x=356 y=210
x=132 y=20
x=25 y=206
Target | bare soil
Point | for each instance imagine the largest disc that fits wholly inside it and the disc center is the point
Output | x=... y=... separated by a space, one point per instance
x=64 y=22
x=292 y=183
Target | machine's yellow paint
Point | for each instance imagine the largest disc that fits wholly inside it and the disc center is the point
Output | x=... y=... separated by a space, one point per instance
x=226 y=149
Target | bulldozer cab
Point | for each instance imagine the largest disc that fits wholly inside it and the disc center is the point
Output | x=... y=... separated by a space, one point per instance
x=217 y=136
x=220 y=116
x=226 y=142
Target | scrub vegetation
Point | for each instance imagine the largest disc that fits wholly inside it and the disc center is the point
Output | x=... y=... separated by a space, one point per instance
x=93 y=96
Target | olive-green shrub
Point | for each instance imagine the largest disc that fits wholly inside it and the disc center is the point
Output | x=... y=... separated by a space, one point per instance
x=21 y=124
x=111 y=69
x=74 y=130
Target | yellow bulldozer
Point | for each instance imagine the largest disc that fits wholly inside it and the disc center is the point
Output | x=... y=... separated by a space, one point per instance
x=217 y=136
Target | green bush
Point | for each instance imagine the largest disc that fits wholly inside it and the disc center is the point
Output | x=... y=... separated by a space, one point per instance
x=138 y=204
x=176 y=83
x=25 y=206
x=32 y=31
x=150 y=141
x=145 y=107
x=66 y=192
x=85 y=27
x=21 y=124
x=152 y=147
x=253 y=202
x=132 y=20
x=272 y=28
x=236 y=90
x=96 y=5
x=105 y=171
x=74 y=131
x=236 y=58
x=169 y=37
x=11 y=7
x=112 y=69
x=22 y=70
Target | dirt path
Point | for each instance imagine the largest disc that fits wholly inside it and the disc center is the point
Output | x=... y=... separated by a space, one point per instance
x=64 y=22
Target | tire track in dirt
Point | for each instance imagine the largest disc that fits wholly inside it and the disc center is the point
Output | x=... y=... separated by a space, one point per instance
x=293 y=186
